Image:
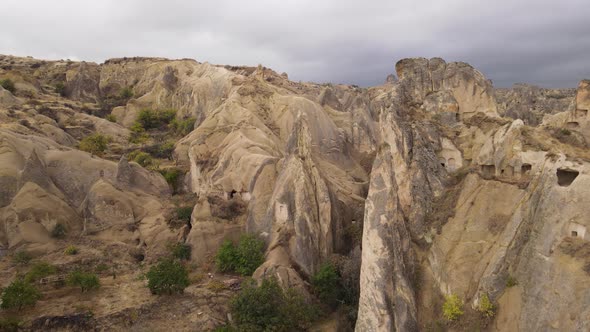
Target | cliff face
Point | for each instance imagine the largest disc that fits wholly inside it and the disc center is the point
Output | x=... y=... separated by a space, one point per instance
x=450 y=196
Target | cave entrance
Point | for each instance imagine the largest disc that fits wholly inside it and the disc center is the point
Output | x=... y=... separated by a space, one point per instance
x=574 y=234
x=581 y=113
x=526 y=169
x=232 y=193
x=565 y=177
x=572 y=125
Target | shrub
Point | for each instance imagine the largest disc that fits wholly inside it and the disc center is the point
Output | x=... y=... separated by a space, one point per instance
x=95 y=144
x=111 y=118
x=150 y=119
x=142 y=158
x=126 y=93
x=59 y=231
x=453 y=307
x=71 y=250
x=244 y=258
x=38 y=271
x=227 y=257
x=10 y=324
x=19 y=294
x=8 y=84
x=167 y=277
x=172 y=176
x=250 y=254
x=86 y=281
x=60 y=88
x=182 y=127
x=181 y=251
x=184 y=213
x=511 y=282
x=486 y=307
x=163 y=150
x=138 y=134
x=21 y=257
x=268 y=308
x=326 y=285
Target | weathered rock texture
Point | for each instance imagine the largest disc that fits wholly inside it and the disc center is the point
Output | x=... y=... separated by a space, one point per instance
x=450 y=196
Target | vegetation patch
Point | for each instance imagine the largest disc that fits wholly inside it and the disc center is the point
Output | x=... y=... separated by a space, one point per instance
x=486 y=307
x=173 y=176
x=268 y=308
x=19 y=294
x=167 y=277
x=244 y=258
x=180 y=251
x=21 y=257
x=326 y=285
x=95 y=144
x=86 y=281
x=453 y=307
x=71 y=250
x=38 y=271
x=8 y=85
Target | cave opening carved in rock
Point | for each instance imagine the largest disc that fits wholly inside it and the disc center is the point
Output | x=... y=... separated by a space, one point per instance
x=565 y=177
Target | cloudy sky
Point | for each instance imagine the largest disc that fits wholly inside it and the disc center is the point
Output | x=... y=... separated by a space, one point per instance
x=357 y=42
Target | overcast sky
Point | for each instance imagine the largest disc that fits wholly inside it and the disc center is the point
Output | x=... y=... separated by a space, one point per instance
x=357 y=42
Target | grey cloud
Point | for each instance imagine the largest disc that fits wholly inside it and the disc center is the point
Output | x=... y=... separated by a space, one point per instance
x=542 y=42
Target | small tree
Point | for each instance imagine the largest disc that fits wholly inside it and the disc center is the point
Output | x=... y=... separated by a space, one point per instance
x=111 y=118
x=142 y=158
x=453 y=307
x=8 y=84
x=167 y=277
x=180 y=251
x=19 y=294
x=126 y=93
x=326 y=285
x=95 y=144
x=86 y=281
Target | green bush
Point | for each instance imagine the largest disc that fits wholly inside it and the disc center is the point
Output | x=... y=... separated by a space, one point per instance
x=244 y=258
x=38 y=271
x=142 y=158
x=19 y=294
x=95 y=144
x=126 y=93
x=138 y=134
x=60 y=88
x=268 y=308
x=111 y=118
x=10 y=324
x=326 y=285
x=162 y=150
x=8 y=84
x=150 y=119
x=59 y=231
x=511 y=282
x=71 y=250
x=86 y=281
x=182 y=127
x=184 y=213
x=21 y=257
x=486 y=307
x=180 y=251
x=167 y=277
x=172 y=176
x=453 y=307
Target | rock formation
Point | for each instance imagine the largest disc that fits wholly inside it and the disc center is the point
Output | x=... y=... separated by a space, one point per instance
x=452 y=191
